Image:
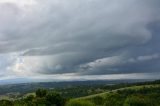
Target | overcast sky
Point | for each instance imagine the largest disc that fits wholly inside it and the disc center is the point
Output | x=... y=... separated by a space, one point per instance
x=79 y=39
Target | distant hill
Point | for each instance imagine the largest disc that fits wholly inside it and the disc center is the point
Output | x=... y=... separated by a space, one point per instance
x=30 y=87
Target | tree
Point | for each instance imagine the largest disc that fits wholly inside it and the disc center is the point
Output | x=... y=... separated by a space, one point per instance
x=54 y=98
x=41 y=93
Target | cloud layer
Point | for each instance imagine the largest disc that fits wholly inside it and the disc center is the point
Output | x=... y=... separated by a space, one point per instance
x=84 y=37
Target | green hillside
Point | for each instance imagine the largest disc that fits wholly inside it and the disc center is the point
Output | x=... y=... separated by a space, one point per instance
x=143 y=95
x=134 y=88
x=137 y=94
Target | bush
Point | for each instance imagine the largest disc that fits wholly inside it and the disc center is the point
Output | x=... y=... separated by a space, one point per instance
x=79 y=103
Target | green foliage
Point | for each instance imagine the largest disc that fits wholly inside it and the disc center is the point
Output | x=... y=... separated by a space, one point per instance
x=79 y=103
x=29 y=98
x=6 y=103
x=39 y=102
x=113 y=99
x=136 y=96
x=55 y=98
x=98 y=100
x=41 y=93
x=42 y=99
x=138 y=100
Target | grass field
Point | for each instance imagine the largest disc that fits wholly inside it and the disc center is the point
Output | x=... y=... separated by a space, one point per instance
x=132 y=88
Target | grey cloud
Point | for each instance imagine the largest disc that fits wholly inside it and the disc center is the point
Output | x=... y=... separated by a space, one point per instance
x=82 y=37
x=143 y=58
x=69 y=25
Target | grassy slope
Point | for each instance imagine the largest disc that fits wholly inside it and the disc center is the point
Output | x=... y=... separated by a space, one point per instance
x=105 y=93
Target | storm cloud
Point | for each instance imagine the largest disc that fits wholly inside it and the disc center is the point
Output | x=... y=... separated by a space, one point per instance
x=82 y=37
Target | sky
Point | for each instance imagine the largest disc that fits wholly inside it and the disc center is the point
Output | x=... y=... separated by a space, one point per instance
x=59 y=40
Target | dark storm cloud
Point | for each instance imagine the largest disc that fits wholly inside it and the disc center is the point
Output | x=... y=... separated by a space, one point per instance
x=81 y=37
